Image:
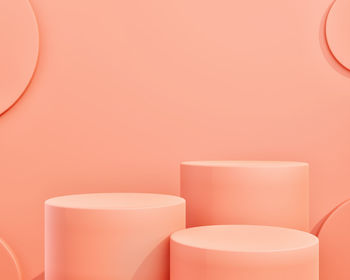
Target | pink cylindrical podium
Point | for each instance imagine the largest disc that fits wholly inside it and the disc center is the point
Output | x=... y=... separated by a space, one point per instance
x=122 y=236
x=243 y=252
x=246 y=192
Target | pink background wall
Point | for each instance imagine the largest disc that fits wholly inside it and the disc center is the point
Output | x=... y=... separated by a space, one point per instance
x=125 y=90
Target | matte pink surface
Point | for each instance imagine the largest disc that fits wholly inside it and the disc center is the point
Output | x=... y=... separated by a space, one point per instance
x=126 y=90
x=243 y=253
x=110 y=236
x=246 y=192
x=334 y=238
x=18 y=49
x=337 y=31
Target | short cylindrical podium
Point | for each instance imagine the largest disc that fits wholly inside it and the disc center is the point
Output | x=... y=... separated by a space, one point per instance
x=243 y=252
x=122 y=236
x=246 y=192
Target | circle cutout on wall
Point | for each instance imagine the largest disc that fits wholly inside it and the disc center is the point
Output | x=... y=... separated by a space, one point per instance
x=335 y=245
x=337 y=32
x=18 y=50
x=9 y=267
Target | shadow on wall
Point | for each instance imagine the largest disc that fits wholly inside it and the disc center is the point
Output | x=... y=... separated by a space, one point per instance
x=40 y=277
x=145 y=271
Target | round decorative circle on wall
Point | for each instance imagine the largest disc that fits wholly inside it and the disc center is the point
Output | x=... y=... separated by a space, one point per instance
x=18 y=50
x=337 y=31
x=9 y=267
x=335 y=245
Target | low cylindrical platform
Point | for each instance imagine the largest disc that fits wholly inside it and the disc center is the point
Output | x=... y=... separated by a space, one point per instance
x=243 y=252
x=122 y=236
x=246 y=192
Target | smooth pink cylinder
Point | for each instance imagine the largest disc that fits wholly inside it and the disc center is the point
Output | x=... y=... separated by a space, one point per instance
x=121 y=236
x=246 y=192
x=243 y=252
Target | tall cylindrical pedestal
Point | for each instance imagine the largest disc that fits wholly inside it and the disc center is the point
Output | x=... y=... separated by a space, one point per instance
x=246 y=192
x=122 y=236
x=243 y=253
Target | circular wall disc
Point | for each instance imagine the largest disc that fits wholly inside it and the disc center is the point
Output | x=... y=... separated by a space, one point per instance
x=18 y=50
x=338 y=31
x=9 y=268
x=334 y=238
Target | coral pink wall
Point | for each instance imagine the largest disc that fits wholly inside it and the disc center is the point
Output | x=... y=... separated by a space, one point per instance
x=125 y=90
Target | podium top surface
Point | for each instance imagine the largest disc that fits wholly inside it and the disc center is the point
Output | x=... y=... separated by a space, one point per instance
x=245 y=163
x=244 y=238
x=116 y=201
